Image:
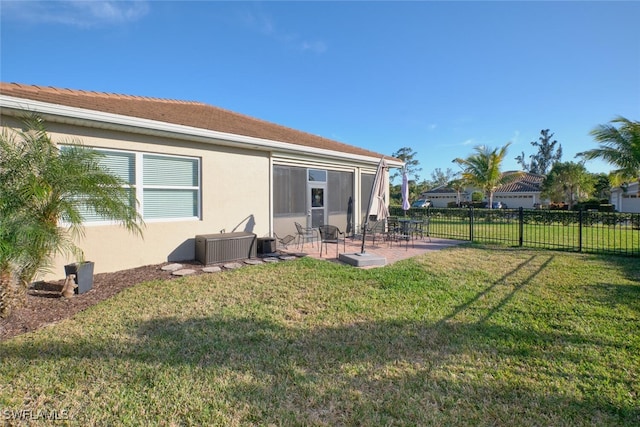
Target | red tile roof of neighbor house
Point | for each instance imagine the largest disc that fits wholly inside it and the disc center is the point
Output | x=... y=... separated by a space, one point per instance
x=525 y=183
x=443 y=189
x=187 y=113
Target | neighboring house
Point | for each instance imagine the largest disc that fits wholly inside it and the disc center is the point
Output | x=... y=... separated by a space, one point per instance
x=197 y=169
x=626 y=199
x=443 y=196
x=523 y=191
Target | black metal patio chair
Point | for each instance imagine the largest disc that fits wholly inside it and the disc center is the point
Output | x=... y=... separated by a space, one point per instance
x=305 y=234
x=374 y=230
x=284 y=241
x=423 y=227
x=331 y=234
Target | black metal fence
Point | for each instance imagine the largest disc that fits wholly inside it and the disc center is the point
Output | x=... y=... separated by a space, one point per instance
x=580 y=231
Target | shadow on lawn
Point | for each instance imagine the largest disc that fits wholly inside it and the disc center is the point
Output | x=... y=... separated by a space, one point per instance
x=399 y=371
x=462 y=368
x=629 y=266
x=614 y=294
x=503 y=300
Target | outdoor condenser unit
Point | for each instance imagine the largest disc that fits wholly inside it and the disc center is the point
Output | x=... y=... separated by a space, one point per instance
x=223 y=247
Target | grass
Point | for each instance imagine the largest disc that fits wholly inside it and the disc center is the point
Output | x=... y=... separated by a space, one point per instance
x=465 y=336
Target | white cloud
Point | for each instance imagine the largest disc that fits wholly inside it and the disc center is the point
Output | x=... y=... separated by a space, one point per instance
x=258 y=20
x=459 y=144
x=77 y=13
x=316 y=46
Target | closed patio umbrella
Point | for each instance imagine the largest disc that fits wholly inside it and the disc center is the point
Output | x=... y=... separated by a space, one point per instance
x=349 y=215
x=405 y=191
x=378 y=198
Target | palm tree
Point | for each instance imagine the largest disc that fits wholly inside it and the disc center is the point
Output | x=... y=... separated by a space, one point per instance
x=482 y=169
x=619 y=146
x=43 y=192
x=457 y=185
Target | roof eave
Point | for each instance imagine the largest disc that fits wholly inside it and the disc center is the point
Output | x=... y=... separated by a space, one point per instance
x=91 y=118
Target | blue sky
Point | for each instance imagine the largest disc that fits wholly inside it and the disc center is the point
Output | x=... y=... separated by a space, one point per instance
x=438 y=77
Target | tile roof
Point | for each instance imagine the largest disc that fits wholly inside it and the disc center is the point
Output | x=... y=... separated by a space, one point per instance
x=525 y=183
x=443 y=189
x=187 y=113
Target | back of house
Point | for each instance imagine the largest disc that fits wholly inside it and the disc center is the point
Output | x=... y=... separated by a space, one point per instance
x=197 y=169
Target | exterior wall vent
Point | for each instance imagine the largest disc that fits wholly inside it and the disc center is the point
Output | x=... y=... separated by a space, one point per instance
x=223 y=247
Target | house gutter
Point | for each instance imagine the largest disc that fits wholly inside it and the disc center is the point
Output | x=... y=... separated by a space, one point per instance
x=97 y=119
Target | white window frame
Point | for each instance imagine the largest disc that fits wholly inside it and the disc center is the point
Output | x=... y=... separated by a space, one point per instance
x=141 y=187
x=138 y=186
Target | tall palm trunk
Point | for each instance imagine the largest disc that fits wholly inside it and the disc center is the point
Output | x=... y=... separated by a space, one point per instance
x=10 y=297
x=5 y=303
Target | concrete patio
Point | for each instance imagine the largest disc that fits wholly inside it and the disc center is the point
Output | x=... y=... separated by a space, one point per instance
x=381 y=249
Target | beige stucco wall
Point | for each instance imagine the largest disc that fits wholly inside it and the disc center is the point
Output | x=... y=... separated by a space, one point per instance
x=283 y=226
x=236 y=194
x=235 y=197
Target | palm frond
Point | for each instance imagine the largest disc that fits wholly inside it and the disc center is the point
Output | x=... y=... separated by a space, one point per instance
x=43 y=189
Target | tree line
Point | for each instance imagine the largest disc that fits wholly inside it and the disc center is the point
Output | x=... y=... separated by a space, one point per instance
x=566 y=182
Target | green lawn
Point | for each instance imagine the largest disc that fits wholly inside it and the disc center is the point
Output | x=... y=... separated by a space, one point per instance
x=471 y=335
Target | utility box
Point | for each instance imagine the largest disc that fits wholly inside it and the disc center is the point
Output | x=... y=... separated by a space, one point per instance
x=223 y=247
x=266 y=245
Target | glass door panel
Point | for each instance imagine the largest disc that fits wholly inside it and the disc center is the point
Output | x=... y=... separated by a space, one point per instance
x=318 y=206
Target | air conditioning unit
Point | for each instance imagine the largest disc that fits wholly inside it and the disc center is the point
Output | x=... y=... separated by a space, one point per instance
x=223 y=247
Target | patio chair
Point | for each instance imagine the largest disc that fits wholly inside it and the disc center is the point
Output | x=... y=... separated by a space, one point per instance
x=393 y=228
x=331 y=234
x=423 y=228
x=305 y=234
x=402 y=230
x=284 y=241
x=374 y=229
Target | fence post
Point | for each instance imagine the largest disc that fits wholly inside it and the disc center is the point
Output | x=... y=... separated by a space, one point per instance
x=470 y=223
x=520 y=225
x=580 y=230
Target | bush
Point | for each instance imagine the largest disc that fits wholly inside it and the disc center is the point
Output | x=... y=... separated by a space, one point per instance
x=41 y=186
x=591 y=204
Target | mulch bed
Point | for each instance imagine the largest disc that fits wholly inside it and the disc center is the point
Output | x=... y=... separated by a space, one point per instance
x=44 y=305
